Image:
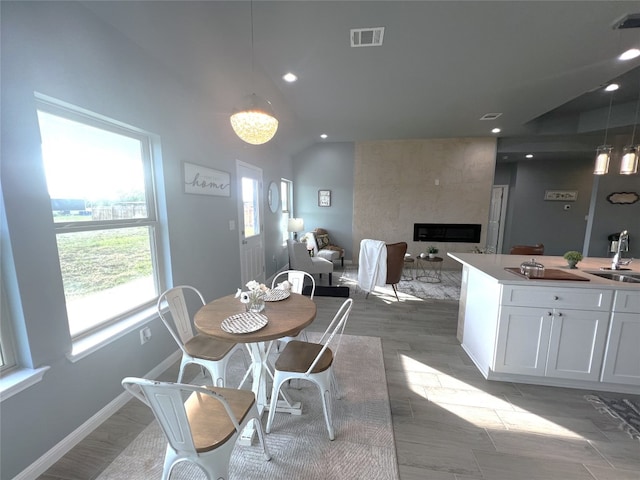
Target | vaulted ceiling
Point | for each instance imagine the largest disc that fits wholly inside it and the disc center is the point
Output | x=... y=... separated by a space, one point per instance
x=441 y=67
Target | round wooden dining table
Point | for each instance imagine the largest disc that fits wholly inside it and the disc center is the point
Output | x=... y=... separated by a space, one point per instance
x=286 y=318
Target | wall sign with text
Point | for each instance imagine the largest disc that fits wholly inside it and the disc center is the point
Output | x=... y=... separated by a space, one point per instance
x=563 y=195
x=206 y=181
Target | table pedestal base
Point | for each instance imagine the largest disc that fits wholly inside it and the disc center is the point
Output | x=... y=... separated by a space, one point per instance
x=259 y=371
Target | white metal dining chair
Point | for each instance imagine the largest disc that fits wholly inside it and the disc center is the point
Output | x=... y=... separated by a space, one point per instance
x=211 y=354
x=202 y=429
x=297 y=279
x=313 y=362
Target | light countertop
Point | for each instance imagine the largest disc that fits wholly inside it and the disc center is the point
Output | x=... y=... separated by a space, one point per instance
x=494 y=266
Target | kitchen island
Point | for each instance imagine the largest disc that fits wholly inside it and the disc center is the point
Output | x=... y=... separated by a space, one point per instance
x=574 y=330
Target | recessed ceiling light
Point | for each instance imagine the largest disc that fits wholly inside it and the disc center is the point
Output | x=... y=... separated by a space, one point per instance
x=496 y=130
x=630 y=54
x=612 y=87
x=289 y=77
x=323 y=136
x=529 y=155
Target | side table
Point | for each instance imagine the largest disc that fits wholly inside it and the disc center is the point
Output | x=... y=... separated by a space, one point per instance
x=430 y=269
x=407 y=269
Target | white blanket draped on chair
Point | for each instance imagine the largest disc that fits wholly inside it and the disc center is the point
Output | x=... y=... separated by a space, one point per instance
x=372 y=264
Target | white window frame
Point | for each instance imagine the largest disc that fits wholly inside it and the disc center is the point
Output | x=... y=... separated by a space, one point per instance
x=287 y=207
x=90 y=340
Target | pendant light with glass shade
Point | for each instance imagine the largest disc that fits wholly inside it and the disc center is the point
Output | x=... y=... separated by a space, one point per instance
x=603 y=152
x=629 y=164
x=255 y=123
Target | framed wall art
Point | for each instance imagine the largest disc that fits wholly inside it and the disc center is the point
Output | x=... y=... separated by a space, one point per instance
x=562 y=195
x=206 y=181
x=623 y=198
x=324 y=198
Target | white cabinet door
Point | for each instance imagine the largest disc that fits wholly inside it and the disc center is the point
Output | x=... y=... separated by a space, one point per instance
x=576 y=345
x=523 y=340
x=622 y=358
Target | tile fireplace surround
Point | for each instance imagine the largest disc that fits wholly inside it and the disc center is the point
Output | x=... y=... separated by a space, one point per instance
x=401 y=182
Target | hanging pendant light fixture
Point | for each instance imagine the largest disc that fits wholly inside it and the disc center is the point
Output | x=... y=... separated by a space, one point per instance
x=255 y=123
x=629 y=164
x=603 y=152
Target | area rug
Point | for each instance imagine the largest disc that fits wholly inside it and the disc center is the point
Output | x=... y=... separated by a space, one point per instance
x=408 y=289
x=626 y=411
x=364 y=447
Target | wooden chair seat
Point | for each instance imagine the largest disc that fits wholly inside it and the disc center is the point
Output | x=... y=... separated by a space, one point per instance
x=210 y=424
x=208 y=348
x=298 y=357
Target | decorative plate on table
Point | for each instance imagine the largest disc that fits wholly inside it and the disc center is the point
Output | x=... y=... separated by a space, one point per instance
x=276 y=294
x=244 y=322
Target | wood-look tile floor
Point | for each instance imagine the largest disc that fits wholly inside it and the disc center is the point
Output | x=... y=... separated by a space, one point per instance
x=449 y=422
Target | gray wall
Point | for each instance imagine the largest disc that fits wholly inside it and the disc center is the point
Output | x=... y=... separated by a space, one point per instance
x=530 y=219
x=326 y=166
x=61 y=50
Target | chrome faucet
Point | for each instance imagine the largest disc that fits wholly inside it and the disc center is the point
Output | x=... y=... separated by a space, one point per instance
x=623 y=243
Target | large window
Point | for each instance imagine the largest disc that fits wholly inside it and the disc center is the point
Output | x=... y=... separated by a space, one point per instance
x=100 y=180
x=6 y=337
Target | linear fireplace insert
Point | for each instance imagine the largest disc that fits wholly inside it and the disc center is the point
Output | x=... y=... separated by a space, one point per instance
x=447 y=232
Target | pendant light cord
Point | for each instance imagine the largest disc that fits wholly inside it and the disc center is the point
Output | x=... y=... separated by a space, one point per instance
x=606 y=130
x=635 y=119
x=252 y=69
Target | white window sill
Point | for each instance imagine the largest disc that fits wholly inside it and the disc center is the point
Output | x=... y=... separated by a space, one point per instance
x=91 y=343
x=20 y=379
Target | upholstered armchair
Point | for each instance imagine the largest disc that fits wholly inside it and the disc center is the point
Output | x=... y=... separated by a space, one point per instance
x=299 y=259
x=318 y=241
x=395 y=264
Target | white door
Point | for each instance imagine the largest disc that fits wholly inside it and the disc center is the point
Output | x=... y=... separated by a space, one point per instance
x=250 y=223
x=497 y=212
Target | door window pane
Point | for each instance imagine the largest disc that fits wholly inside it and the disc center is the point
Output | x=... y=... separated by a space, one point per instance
x=250 y=203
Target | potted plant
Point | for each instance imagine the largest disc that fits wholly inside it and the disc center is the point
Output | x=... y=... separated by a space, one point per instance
x=572 y=257
x=432 y=250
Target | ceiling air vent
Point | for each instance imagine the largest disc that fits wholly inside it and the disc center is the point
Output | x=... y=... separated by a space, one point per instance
x=490 y=116
x=367 y=37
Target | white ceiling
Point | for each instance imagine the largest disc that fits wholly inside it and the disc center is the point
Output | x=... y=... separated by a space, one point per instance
x=442 y=65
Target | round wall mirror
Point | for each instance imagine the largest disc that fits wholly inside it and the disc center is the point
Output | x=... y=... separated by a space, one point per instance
x=273 y=197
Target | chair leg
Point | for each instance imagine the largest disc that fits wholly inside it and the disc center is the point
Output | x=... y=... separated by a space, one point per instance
x=325 y=394
x=395 y=291
x=275 y=391
x=183 y=363
x=258 y=426
x=330 y=277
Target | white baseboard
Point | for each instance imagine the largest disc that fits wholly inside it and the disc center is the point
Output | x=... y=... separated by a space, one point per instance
x=43 y=463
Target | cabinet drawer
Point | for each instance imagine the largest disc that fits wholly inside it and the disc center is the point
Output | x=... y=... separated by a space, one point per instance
x=627 y=301
x=548 y=297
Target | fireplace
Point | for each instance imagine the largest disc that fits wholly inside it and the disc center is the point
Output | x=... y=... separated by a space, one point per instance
x=447 y=232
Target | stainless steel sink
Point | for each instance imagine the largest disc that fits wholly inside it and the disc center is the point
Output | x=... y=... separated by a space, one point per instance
x=618 y=277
